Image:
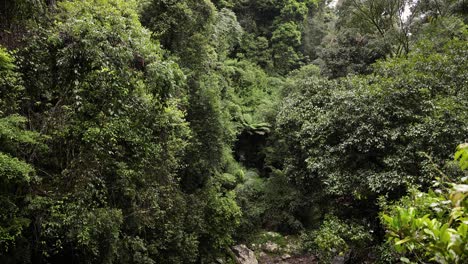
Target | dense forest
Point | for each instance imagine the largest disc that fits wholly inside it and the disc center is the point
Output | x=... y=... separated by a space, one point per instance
x=233 y=131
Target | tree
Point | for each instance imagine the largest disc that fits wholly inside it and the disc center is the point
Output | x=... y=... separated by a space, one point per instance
x=353 y=139
x=347 y=52
x=385 y=19
x=112 y=108
x=182 y=27
x=285 y=40
x=16 y=173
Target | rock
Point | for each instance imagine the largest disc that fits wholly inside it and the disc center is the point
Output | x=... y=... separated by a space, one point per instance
x=270 y=247
x=285 y=256
x=244 y=255
x=338 y=260
x=342 y=258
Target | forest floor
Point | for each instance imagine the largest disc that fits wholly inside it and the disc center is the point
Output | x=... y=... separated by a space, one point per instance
x=301 y=259
x=274 y=248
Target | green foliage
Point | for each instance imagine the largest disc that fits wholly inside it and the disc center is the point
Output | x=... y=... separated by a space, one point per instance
x=294 y=11
x=10 y=84
x=318 y=24
x=138 y=168
x=274 y=32
x=228 y=33
x=182 y=27
x=431 y=226
x=14 y=14
x=436 y=10
x=275 y=207
x=6 y=61
x=283 y=204
x=14 y=173
x=381 y=19
x=113 y=110
x=335 y=237
x=12 y=131
x=348 y=52
x=365 y=31
x=12 y=170
x=363 y=135
x=462 y=156
x=252 y=189
x=93 y=231
x=165 y=131
x=257 y=50
x=251 y=94
x=16 y=144
x=221 y=209
x=341 y=143
x=286 y=38
x=272 y=237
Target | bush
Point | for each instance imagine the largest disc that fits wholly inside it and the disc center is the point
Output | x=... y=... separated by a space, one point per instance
x=336 y=237
x=433 y=225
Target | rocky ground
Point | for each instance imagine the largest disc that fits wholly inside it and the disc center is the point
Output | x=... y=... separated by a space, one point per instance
x=301 y=259
x=272 y=248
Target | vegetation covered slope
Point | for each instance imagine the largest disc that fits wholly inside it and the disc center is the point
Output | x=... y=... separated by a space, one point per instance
x=167 y=131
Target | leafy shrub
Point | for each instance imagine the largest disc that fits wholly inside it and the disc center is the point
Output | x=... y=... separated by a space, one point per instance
x=249 y=196
x=335 y=237
x=270 y=203
x=432 y=226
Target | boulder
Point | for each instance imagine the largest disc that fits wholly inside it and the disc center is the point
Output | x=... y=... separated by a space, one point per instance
x=244 y=255
x=339 y=260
